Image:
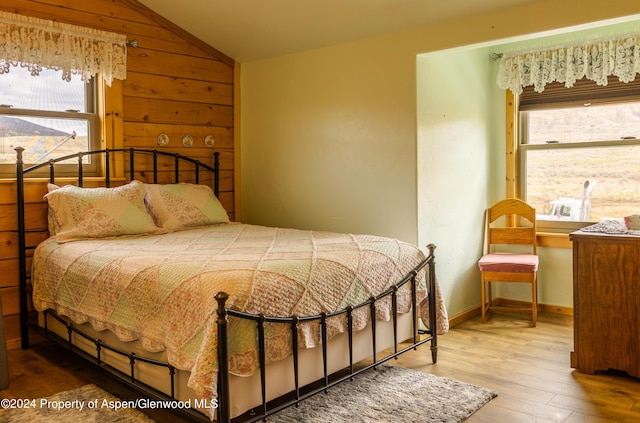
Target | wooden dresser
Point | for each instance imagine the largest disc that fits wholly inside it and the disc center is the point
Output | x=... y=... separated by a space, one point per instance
x=606 y=302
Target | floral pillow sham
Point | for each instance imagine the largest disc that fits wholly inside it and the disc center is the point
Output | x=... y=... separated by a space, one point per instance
x=181 y=206
x=85 y=213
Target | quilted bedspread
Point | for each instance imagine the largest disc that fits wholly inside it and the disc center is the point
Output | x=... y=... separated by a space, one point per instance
x=160 y=289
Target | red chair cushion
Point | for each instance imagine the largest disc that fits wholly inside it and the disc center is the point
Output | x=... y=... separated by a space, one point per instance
x=508 y=262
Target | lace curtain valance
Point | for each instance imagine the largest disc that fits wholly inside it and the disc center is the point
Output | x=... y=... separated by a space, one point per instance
x=594 y=60
x=38 y=43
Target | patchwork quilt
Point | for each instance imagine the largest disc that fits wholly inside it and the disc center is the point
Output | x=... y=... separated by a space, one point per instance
x=160 y=289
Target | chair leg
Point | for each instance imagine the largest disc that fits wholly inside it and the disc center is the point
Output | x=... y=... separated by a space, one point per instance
x=482 y=297
x=534 y=301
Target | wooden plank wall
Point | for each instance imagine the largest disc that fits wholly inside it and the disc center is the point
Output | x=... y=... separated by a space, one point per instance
x=175 y=85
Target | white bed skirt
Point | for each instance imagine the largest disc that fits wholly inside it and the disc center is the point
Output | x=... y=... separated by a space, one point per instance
x=245 y=392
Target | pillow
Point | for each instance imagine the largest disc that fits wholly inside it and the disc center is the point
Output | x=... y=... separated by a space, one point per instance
x=82 y=213
x=51 y=217
x=181 y=206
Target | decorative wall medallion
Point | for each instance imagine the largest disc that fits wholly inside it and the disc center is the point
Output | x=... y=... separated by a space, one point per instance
x=209 y=141
x=163 y=139
x=187 y=140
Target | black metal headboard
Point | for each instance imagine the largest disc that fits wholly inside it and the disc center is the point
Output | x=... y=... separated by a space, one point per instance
x=21 y=171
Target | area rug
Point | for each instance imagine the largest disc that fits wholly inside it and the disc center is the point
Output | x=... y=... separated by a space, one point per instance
x=386 y=394
x=88 y=404
x=391 y=394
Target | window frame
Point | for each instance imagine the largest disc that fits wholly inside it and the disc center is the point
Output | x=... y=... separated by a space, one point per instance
x=562 y=225
x=516 y=150
x=93 y=99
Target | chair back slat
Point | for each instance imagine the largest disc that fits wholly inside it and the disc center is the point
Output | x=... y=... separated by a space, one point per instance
x=512 y=206
x=514 y=236
x=521 y=233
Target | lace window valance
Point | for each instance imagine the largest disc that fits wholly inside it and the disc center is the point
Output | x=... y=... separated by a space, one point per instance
x=592 y=60
x=37 y=43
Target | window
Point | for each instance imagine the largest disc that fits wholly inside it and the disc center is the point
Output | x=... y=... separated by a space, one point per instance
x=579 y=153
x=47 y=116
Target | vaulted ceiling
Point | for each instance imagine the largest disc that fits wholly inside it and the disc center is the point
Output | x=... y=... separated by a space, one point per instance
x=248 y=30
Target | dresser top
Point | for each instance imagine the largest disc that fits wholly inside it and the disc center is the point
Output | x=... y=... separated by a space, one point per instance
x=603 y=237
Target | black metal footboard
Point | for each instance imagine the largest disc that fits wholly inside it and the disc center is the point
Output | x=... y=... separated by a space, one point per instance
x=299 y=394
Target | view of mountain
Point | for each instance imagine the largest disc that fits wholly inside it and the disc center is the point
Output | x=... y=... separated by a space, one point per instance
x=12 y=127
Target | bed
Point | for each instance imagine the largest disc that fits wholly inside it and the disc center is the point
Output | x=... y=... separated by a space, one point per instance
x=234 y=321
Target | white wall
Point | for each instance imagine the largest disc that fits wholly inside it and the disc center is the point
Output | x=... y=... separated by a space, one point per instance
x=459 y=158
x=329 y=137
x=328 y=141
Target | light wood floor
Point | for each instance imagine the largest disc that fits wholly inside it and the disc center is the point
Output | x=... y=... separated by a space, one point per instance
x=529 y=367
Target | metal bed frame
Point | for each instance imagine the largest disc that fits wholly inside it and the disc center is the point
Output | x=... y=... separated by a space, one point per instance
x=267 y=408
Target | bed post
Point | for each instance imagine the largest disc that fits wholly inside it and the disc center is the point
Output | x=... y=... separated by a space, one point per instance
x=223 y=360
x=433 y=303
x=22 y=253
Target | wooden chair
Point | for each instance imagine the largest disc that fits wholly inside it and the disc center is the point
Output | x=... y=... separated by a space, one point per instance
x=518 y=267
